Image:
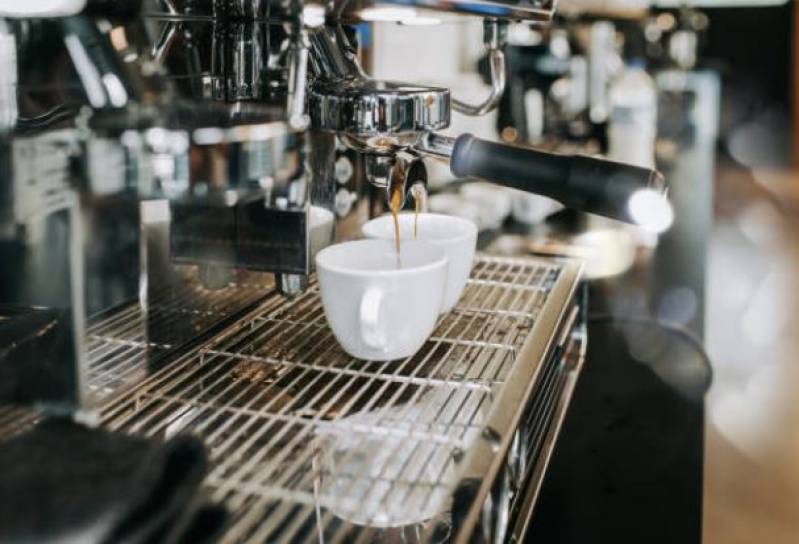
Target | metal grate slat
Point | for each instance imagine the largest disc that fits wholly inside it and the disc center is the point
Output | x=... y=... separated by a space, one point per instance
x=270 y=394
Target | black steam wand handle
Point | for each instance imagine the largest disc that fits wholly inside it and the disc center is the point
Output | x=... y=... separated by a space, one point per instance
x=585 y=183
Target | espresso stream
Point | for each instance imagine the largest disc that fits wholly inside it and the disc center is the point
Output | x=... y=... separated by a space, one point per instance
x=395 y=204
x=417 y=205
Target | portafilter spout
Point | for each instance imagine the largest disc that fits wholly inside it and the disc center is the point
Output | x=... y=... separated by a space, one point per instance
x=402 y=172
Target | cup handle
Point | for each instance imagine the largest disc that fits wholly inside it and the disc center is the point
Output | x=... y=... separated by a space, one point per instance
x=371 y=306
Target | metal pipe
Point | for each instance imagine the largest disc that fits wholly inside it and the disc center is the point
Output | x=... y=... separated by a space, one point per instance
x=496 y=60
x=298 y=82
x=329 y=59
x=495 y=36
x=435 y=146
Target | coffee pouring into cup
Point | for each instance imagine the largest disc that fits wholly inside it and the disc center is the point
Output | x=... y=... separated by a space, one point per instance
x=394 y=125
x=382 y=305
x=384 y=118
x=456 y=236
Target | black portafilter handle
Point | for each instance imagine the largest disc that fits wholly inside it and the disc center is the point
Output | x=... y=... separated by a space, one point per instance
x=585 y=183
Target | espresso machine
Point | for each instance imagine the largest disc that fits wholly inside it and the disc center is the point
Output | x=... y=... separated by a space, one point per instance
x=170 y=169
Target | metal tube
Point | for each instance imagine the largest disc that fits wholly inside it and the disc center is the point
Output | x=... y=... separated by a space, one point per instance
x=498 y=81
x=495 y=36
x=436 y=146
x=328 y=57
x=298 y=81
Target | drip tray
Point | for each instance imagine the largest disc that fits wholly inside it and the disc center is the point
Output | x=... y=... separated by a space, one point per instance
x=310 y=444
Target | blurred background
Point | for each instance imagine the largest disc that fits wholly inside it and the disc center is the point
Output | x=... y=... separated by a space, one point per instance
x=752 y=473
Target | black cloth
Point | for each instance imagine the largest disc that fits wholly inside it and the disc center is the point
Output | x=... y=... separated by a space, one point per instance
x=62 y=482
x=37 y=357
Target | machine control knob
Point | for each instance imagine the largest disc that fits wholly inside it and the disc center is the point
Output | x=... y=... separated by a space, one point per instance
x=344 y=202
x=344 y=170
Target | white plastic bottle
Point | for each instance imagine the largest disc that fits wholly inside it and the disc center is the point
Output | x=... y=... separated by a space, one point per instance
x=8 y=78
x=633 y=117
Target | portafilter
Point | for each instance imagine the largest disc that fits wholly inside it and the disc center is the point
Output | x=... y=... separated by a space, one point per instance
x=382 y=118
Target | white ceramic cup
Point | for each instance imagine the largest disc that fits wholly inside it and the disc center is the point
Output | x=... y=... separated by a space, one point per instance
x=495 y=202
x=533 y=209
x=378 y=307
x=455 y=204
x=456 y=236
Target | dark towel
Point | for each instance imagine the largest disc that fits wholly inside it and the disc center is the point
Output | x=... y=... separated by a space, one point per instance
x=37 y=358
x=66 y=483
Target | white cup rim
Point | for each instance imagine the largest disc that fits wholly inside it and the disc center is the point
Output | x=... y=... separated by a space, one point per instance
x=469 y=228
x=325 y=255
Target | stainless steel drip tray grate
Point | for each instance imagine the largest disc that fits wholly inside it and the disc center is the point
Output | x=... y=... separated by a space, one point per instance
x=121 y=348
x=309 y=444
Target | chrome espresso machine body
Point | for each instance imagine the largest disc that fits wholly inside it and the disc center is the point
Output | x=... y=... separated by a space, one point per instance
x=169 y=172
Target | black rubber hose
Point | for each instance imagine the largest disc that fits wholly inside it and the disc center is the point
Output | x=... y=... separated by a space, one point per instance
x=585 y=183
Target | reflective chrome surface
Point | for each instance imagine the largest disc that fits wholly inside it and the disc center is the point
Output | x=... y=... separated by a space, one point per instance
x=191 y=111
x=380 y=113
x=370 y=116
x=436 y=146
